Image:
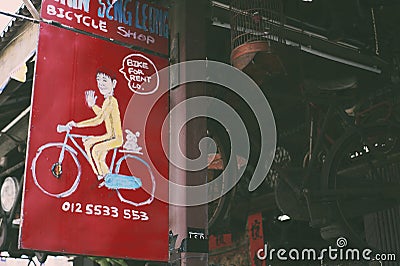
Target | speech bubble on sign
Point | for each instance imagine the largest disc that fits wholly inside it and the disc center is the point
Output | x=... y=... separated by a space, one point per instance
x=139 y=71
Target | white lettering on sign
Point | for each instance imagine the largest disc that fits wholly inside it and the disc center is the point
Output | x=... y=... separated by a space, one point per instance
x=139 y=78
x=127 y=33
x=76 y=17
x=141 y=74
x=196 y=235
x=76 y=4
x=135 y=71
x=91 y=209
x=134 y=63
x=135 y=215
x=142 y=16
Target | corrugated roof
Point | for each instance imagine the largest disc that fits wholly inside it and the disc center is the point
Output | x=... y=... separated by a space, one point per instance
x=12 y=28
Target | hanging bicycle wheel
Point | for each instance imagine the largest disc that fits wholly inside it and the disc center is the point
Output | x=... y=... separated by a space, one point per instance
x=54 y=178
x=361 y=176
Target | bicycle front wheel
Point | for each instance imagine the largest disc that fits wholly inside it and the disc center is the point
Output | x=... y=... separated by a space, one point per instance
x=54 y=178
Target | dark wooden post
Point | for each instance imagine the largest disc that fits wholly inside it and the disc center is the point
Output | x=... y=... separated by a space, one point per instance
x=188 y=42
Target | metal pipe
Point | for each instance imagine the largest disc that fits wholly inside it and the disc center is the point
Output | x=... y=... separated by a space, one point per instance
x=12 y=169
x=19 y=16
x=314 y=52
x=286 y=26
x=16 y=120
x=339 y=59
x=31 y=8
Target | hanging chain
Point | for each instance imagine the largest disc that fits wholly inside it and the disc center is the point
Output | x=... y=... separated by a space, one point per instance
x=375 y=32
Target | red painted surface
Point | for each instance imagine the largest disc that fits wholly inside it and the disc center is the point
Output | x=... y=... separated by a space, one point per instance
x=256 y=238
x=92 y=220
x=219 y=241
x=133 y=22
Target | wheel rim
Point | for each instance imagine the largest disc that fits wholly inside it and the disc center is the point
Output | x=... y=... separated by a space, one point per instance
x=121 y=197
x=68 y=150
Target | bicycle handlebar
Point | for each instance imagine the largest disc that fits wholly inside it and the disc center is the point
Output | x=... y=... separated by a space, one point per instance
x=62 y=128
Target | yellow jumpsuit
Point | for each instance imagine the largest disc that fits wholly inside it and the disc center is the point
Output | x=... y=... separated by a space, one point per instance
x=109 y=114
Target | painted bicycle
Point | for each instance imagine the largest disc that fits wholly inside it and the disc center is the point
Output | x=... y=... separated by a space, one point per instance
x=64 y=169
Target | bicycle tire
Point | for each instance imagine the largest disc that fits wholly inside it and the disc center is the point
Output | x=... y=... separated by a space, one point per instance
x=150 y=172
x=68 y=150
x=365 y=161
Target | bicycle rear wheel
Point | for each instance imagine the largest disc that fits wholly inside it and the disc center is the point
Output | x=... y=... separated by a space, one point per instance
x=142 y=169
x=56 y=179
x=361 y=178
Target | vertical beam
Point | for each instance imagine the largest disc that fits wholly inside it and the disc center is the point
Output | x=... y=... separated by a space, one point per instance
x=188 y=32
x=31 y=8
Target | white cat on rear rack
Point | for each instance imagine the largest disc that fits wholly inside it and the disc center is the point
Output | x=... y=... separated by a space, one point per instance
x=131 y=143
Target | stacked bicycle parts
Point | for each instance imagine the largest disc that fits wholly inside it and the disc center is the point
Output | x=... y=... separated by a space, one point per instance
x=355 y=182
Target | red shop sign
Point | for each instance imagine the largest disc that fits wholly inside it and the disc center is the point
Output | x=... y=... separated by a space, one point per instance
x=92 y=167
x=133 y=22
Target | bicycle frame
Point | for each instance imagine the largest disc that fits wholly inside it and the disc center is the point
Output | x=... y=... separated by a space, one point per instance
x=71 y=137
x=108 y=182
